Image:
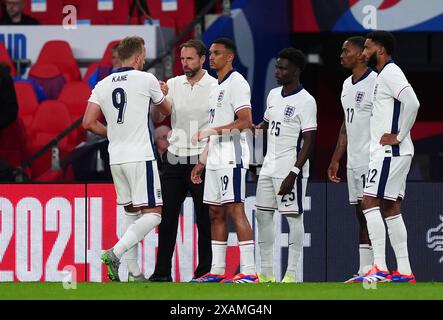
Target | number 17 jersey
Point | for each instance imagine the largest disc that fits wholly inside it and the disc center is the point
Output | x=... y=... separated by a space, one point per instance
x=356 y=99
x=125 y=98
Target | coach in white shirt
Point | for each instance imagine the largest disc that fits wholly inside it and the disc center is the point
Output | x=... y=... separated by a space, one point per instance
x=189 y=96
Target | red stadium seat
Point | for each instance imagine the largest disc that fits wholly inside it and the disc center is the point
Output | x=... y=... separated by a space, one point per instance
x=59 y=53
x=178 y=19
x=103 y=68
x=51 y=118
x=52 y=15
x=107 y=54
x=75 y=96
x=91 y=69
x=49 y=78
x=27 y=102
x=119 y=14
x=5 y=58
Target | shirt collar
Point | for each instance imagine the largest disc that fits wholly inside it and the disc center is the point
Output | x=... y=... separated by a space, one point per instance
x=123 y=69
x=203 y=80
x=367 y=73
x=387 y=62
x=227 y=75
x=295 y=91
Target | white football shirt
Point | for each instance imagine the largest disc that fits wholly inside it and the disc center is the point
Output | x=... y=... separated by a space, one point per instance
x=287 y=116
x=189 y=112
x=387 y=112
x=356 y=100
x=125 y=98
x=231 y=95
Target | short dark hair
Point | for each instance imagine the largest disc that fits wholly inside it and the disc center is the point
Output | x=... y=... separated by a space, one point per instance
x=130 y=46
x=228 y=43
x=295 y=56
x=198 y=45
x=357 y=41
x=383 y=38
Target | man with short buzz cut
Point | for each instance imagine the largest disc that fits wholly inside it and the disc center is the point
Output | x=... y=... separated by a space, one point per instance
x=125 y=98
x=14 y=14
x=188 y=94
x=355 y=137
x=395 y=108
x=226 y=158
x=290 y=120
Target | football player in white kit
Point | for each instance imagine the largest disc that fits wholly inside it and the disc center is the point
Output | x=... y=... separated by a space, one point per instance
x=125 y=98
x=226 y=163
x=291 y=123
x=395 y=108
x=354 y=137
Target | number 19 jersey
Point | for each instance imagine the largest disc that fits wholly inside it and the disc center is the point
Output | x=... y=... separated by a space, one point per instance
x=125 y=98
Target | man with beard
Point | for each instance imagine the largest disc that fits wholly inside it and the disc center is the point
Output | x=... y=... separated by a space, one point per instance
x=354 y=137
x=189 y=95
x=291 y=123
x=395 y=108
x=14 y=14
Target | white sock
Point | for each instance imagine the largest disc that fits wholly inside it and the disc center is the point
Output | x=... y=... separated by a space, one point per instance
x=136 y=232
x=398 y=237
x=265 y=225
x=247 y=260
x=296 y=237
x=218 y=256
x=366 y=258
x=377 y=234
x=131 y=255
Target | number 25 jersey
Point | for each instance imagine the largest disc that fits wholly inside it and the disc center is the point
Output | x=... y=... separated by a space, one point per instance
x=287 y=116
x=125 y=98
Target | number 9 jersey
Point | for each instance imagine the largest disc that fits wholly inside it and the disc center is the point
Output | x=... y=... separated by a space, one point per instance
x=287 y=116
x=125 y=98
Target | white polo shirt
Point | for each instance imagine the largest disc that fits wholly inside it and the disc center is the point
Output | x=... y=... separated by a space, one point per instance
x=189 y=112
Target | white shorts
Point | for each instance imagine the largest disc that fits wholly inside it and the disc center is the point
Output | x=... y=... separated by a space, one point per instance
x=267 y=197
x=356 y=183
x=386 y=179
x=224 y=186
x=137 y=183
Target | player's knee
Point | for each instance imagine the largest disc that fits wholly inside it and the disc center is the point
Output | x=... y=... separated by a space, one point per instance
x=263 y=216
x=369 y=202
x=216 y=215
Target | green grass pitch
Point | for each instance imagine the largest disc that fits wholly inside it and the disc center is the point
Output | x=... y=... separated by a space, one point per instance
x=188 y=291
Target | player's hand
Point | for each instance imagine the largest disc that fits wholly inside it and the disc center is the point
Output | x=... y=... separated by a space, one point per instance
x=199 y=136
x=195 y=138
x=332 y=172
x=164 y=87
x=389 y=139
x=196 y=173
x=288 y=184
